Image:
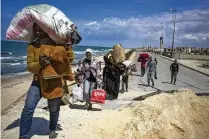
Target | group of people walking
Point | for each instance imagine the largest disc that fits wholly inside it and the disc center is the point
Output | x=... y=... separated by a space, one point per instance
x=150 y=66
x=90 y=77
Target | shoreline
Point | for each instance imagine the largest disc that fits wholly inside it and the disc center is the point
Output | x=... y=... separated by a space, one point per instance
x=15 y=88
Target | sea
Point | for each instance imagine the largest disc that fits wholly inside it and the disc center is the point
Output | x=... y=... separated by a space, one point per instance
x=13 y=56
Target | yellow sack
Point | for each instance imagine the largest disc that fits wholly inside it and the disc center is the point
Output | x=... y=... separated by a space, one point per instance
x=118 y=53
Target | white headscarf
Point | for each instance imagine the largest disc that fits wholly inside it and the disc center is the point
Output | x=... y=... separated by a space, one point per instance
x=90 y=51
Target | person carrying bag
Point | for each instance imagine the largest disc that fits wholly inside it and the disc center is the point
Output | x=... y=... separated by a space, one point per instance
x=90 y=77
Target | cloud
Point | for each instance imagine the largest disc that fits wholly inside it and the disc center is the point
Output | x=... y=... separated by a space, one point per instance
x=91 y=23
x=192 y=28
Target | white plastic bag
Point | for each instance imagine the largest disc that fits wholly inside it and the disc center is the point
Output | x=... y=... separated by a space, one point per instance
x=127 y=63
x=78 y=93
x=49 y=18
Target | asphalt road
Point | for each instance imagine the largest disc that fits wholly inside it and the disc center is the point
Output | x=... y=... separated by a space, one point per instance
x=186 y=78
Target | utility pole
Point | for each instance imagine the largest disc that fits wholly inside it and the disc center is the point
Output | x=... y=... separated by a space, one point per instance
x=161 y=38
x=174 y=24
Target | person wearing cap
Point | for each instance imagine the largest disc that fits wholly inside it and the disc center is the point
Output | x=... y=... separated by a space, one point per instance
x=151 y=71
x=90 y=77
x=174 y=68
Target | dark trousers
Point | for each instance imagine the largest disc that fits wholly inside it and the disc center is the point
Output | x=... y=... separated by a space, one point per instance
x=112 y=88
x=142 y=71
x=173 y=77
x=124 y=83
x=33 y=97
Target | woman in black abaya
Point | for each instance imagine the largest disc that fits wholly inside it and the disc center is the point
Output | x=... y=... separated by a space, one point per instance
x=111 y=75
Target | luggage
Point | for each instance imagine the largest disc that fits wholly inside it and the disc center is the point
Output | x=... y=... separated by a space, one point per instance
x=98 y=96
x=127 y=63
x=48 y=18
x=118 y=53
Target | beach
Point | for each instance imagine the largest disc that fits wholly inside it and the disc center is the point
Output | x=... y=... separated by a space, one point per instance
x=15 y=79
x=13 y=88
x=139 y=113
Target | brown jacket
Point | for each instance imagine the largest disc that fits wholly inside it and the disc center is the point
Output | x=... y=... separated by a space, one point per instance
x=51 y=87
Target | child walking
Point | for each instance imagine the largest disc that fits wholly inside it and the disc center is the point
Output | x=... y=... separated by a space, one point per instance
x=125 y=78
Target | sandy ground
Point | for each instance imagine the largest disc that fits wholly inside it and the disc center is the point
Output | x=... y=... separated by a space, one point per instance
x=181 y=115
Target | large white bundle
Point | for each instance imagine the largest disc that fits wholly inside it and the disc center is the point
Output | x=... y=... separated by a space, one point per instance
x=127 y=63
x=49 y=18
x=78 y=93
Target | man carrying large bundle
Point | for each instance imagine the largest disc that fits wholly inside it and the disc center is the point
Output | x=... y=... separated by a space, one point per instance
x=50 y=64
x=143 y=58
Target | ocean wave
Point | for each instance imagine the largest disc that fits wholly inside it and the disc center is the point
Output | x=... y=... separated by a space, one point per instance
x=7 y=53
x=79 y=52
x=6 y=57
x=14 y=64
x=13 y=57
x=9 y=75
x=94 y=51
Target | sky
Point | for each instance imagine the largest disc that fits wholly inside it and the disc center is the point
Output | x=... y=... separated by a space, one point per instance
x=132 y=23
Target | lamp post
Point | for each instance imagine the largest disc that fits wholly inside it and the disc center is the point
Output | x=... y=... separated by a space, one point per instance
x=174 y=24
x=161 y=39
x=161 y=28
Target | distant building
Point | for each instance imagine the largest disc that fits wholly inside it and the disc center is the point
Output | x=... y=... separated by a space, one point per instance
x=192 y=50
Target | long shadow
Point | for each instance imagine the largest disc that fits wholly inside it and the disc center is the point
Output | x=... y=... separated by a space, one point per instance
x=202 y=94
x=137 y=75
x=149 y=86
x=39 y=126
x=166 y=82
x=80 y=107
x=156 y=88
x=143 y=84
x=140 y=98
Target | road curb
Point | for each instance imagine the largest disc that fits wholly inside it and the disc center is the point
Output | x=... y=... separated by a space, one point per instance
x=182 y=64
